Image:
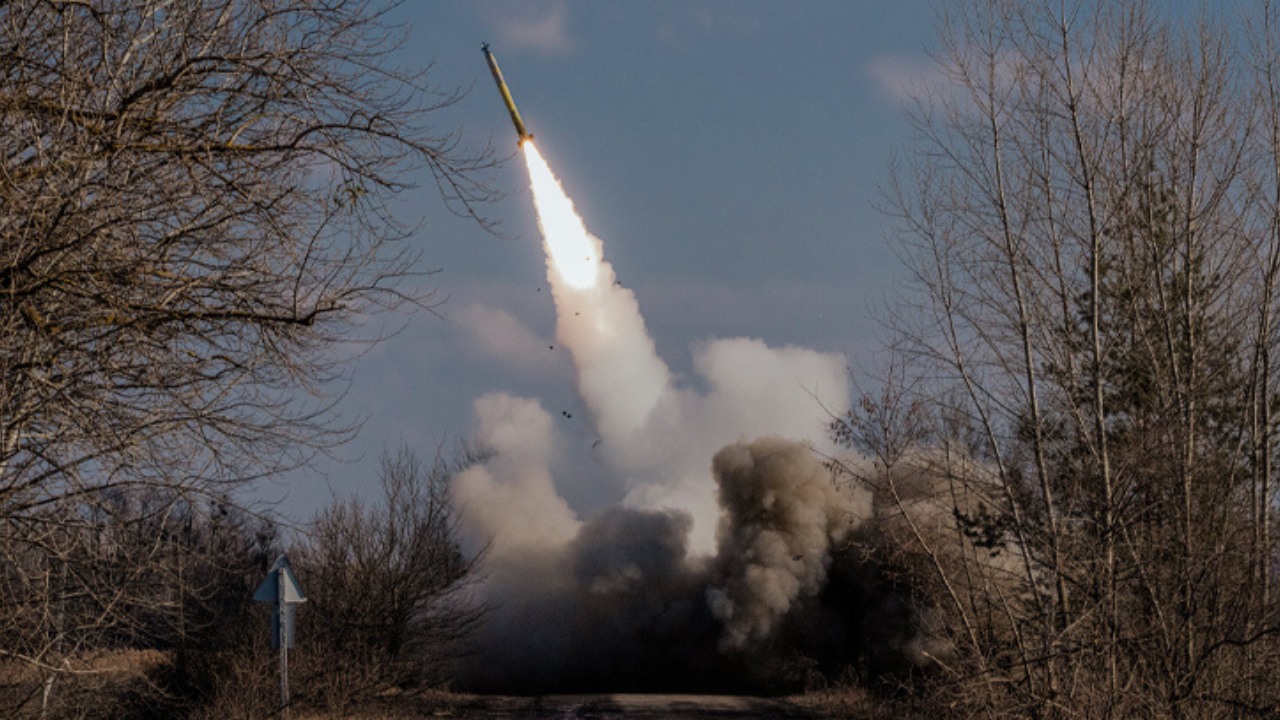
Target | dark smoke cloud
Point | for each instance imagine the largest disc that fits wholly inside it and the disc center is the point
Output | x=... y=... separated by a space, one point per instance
x=782 y=514
x=618 y=608
x=624 y=607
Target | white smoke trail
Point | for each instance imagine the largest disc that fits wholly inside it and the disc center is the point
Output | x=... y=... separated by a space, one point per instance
x=620 y=376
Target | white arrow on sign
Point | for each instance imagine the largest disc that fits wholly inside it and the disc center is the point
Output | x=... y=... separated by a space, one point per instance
x=269 y=590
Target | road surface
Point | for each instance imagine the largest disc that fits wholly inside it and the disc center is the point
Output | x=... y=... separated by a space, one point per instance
x=672 y=707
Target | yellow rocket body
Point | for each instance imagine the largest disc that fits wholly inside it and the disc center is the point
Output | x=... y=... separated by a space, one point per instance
x=506 y=95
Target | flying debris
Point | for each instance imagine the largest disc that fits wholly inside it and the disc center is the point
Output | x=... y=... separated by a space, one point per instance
x=506 y=95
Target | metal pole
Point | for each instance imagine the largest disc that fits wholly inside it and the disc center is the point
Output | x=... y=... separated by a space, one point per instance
x=284 y=646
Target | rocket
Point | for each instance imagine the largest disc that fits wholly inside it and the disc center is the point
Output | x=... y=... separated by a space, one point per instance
x=506 y=95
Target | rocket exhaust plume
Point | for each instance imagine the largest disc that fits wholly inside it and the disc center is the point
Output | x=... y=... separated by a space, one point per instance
x=704 y=575
x=620 y=376
x=571 y=252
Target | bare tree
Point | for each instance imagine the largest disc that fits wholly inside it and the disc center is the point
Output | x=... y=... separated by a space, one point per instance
x=158 y=578
x=388 y=586
x=1089 y=217
x=194 y=223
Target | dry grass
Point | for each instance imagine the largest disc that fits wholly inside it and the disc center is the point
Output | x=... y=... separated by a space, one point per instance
x=95 y=684
x=853 y=702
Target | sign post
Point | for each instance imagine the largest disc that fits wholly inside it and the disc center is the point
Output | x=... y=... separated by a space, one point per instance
x=281 y=587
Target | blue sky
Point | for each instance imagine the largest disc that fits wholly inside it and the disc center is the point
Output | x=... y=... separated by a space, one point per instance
x=729 y=153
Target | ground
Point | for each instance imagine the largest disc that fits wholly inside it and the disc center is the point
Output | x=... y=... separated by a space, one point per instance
x=723 y=707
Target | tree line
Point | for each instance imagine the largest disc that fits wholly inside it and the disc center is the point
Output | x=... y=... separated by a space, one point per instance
x=1077 y=424
x=194 y=233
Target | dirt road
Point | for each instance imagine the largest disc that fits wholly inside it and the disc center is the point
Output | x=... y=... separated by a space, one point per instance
x=674 y=707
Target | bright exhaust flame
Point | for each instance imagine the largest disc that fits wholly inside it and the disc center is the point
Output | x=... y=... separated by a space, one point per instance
x=574 y=254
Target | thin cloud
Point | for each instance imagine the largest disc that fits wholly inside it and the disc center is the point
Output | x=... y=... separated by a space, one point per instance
x=498 y=335
x=918 y=78
x=905 y=77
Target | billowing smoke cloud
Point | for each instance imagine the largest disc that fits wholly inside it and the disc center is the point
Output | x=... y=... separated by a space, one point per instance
x=783 y=513
x=511 y=498
x=622 y=605
x=730 y=528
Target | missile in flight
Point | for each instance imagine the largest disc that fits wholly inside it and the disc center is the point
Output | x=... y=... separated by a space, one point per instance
x=506 y=95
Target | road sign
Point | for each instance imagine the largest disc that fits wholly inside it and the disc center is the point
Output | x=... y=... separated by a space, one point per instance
x=281 y=588
x=269 y=590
